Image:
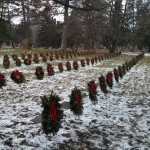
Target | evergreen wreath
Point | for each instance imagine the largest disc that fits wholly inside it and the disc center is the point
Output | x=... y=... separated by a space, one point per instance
x=76 y=103
x=87 y=61
x=50 y=70
x=6 y=64
x=68 y=65
x=126 y=66
x=14 y=56
x=116 y=74
x=47 y=54
x=92 y=61
x=60 y=67
x=23 y=56
x=36 y=59
x=92 y=88
x=41 y=54
x=6 y=58
x=51 y=114
x=82 y=63
x=70 y=55
x=27 y=61
x=96 y=59
x=103 y=85
x=57 y=56
x=51 y=57
x=39 y=73
x=120 y=71
x=17 y=77
x=18 y=62
x=109 y=79
x=75 y=65
x=44 y=58
x=29 y=55
x=99 y=58
x=62 y=56
x=2 y=80
x=123 y=69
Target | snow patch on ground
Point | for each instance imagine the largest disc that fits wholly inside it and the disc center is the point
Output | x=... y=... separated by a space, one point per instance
x=120 y=120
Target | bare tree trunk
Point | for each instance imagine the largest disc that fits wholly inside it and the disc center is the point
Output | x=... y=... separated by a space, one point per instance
x=10 y=27
x=65 y=27
x=24 y=16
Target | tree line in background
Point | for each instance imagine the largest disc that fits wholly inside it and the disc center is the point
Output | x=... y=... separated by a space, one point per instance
x=87 y=24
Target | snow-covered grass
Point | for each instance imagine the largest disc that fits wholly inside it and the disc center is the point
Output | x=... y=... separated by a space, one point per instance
x=120 y=120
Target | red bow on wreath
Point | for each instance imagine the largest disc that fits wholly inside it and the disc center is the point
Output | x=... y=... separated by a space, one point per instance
x=38 y=71
x=1 y=77
x=50 y=68
x=77 y=99
x=53 y=112
x=17 y=73
x=110 y=78
x=93 y=87
x=116 y=72
x=68 y=65
x=60 y=65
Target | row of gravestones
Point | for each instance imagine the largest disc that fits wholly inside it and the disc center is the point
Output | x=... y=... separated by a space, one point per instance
x=18 y=77
x=52 y=112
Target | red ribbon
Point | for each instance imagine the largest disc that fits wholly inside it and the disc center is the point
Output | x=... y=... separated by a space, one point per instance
x=1 y=77
x=116 y=72
x=110 y=78
x=17 y=73
x=93 y=87
x=39 y=71
x=77 y=99
x=102 y=79
x=50 y=68
x=68 y=65
x=53 y=112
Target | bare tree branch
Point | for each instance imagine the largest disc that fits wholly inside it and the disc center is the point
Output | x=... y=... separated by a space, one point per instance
x=80 y=8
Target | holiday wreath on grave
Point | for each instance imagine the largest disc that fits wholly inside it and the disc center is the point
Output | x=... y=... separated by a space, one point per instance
x=52 y=113
x=76 y=103
x=2 y=80
x=39 y=73
x=17 y=77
